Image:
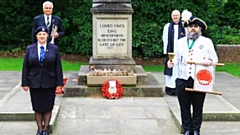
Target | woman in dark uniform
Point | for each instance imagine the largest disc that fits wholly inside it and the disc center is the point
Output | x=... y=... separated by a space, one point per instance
x=42 y=74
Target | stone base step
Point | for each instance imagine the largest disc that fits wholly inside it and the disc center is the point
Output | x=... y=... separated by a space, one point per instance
x=29 y=116
x=17 y=108
x=215 y=109
x=152 y=89
x=141 y=75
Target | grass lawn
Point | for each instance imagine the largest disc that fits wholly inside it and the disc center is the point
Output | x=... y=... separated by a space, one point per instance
x=231 y=68
x=15 y=64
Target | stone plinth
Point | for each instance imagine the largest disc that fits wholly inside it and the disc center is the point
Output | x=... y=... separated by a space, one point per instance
x=112 y=7
x=141 y=75
x=112 y=36
x=112 y=30
x=146 y=85
x=100 y=80
x=123 y=64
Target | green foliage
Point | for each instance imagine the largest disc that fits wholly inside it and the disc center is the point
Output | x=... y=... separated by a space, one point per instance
x=150 y=17
x=148 y=20
x=77 y=21
x=147 y=40
x=231 y=15
x=224 y=34
x=12 y=34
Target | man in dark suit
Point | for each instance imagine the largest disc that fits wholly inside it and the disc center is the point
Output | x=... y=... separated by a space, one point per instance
x=42 y=74
x=52 y=22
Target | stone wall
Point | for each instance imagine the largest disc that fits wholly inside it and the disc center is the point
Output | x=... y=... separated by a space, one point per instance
x=228 y=53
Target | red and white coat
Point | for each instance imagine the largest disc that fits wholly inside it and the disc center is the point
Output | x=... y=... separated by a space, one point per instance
x=202 y=50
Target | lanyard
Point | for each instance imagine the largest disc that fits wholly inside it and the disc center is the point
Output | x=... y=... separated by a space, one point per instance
x=190 y=47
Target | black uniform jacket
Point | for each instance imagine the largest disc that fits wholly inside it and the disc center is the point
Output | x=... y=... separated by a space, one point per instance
x=49 y=74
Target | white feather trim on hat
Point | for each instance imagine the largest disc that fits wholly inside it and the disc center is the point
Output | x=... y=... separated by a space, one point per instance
x=186 y=15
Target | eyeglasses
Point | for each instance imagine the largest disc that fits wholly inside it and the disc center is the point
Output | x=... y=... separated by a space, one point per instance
x=48 y=8
x=193 y=26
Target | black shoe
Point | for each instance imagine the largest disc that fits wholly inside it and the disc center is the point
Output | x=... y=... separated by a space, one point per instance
x=39 y=132
x=170 y=91
x=45 y=132
x=167 y=89
x=174 y=91
x=196 y=133
x=171 y=94
x=187 y=132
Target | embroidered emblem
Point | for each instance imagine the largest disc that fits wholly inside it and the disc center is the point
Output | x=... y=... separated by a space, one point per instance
x=201 y=47
x=204 y=77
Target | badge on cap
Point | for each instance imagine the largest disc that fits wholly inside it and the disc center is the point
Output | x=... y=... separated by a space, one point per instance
x=43 y=29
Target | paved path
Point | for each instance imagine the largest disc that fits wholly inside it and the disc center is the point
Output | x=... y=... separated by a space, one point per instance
x=125 y=116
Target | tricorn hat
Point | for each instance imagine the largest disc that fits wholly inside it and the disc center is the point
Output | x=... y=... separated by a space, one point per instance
x=195 y=20
x=41 y=29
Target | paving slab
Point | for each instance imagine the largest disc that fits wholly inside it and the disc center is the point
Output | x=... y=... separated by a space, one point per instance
x=216 y=108
x=125 y=116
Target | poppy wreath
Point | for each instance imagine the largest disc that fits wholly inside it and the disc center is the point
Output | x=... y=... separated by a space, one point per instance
x=61 y=91
x=110 y=95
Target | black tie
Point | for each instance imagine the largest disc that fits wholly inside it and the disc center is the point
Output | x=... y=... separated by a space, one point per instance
x=48 y=23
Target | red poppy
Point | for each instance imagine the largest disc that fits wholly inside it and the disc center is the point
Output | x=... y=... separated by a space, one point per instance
x=109 y=95
x=61 y=91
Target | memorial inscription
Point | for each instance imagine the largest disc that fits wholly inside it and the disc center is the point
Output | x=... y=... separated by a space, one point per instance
x=112 y=36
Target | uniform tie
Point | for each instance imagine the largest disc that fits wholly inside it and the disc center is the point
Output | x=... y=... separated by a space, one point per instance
x=42 y=53
x=48 y=23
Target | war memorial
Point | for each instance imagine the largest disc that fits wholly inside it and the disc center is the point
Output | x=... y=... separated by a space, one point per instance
x=112 y=54
x=141 y=109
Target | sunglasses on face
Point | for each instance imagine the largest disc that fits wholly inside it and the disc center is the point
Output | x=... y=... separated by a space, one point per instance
x=193 y=26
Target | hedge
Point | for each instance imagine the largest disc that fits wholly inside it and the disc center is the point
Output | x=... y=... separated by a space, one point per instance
x=149 y=18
